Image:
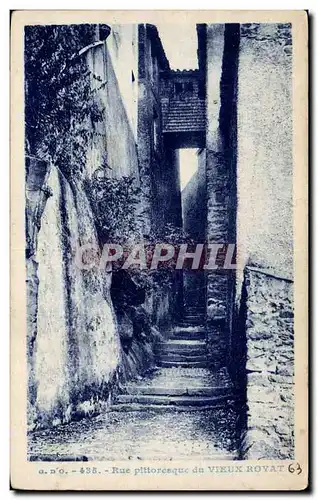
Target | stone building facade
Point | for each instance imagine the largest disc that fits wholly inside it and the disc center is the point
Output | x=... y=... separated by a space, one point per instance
x=265 y=234
x=158 y=162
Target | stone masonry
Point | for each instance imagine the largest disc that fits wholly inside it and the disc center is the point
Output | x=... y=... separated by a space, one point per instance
x=221 y=74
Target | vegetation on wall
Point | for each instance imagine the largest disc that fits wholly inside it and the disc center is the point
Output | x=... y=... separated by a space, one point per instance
x=116 y=204
x=59 y=102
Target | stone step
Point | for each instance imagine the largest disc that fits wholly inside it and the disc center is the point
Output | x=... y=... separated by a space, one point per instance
x=187 y=308
x=185 y=378
x=189 y=328
x=176 y=391
x=189 y=315
x=183 y=357
x=187 y=334
x=182 y=364
x=126 y=407
x=192 y=315
x=167 y=400
x=182 y=347
x=191 y=322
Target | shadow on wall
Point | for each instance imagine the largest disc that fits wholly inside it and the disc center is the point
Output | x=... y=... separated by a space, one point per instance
x=237 y=365
x=137 y=333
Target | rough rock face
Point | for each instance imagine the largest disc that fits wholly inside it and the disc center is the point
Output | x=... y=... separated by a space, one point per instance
x=269 y=366
x=75 y=346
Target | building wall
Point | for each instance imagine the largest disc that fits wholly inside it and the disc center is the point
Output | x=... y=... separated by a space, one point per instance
x=113 y=139
x=193 y=207
x=148 y=108
x=221 y=70
x=265 y=165
x=122 y=46
x=249 y=200
x=263 y=342
x=254 y=79
x=269 y=331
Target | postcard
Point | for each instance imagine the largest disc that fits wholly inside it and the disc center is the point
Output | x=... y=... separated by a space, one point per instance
x=159 y=307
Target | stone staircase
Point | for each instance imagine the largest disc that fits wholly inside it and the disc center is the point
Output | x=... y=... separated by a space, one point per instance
x=181 y=409
x=182 y=380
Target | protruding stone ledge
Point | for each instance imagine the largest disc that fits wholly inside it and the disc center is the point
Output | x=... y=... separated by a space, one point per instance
x=269 y=272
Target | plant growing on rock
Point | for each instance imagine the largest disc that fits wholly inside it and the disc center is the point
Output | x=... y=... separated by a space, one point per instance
x=116 y=204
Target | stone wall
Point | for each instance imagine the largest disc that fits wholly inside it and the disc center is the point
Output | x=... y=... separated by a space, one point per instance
x=222 y=61
x=262 y=338
x=166 y=186
x=269 y=366
x=73 y=343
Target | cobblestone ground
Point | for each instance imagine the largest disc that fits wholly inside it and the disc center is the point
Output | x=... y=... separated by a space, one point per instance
x=140 y=435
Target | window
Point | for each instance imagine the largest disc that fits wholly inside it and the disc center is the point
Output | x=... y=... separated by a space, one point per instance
x=188 y=87
x=182 y=87
x=201 y=90
x=178 y=88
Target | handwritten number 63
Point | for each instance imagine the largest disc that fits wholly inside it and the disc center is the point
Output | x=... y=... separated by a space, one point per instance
x=295 y=468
